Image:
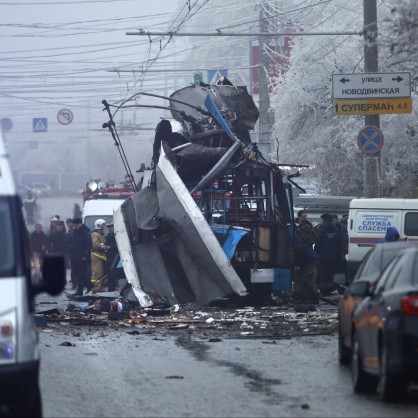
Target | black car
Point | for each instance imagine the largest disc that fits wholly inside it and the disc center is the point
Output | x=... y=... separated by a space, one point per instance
x=370 y=269
x=385 y=333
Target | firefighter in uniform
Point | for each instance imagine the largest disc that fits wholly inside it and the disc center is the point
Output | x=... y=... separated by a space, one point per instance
x=98 y=257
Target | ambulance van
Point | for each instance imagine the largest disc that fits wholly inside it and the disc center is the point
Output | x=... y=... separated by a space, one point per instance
x=19 y=346
x=369 y=219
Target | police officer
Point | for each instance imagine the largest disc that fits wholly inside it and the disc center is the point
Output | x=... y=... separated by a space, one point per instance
x=111 y=254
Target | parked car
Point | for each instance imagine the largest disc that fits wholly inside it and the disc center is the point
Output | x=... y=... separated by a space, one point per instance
x=42 y=189
x=23 y=189
x=385 y=335
x=370 y=269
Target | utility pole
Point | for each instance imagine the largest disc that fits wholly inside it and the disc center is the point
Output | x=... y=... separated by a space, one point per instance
x=372 y=163
x=265 y=121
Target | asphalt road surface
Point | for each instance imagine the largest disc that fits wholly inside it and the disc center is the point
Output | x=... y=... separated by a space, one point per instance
x=153 y=373
x=144 y=371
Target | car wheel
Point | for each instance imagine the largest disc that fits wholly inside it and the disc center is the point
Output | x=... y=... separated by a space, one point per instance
x=344 y=353
x=362 y=382
x=391 y=387
x=32 y=408
x=36 y=407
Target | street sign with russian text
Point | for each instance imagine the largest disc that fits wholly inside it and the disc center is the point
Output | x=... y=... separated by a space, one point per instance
x=372 y=106
x=371 y=85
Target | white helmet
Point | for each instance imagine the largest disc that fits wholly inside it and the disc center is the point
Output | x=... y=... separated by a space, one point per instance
x=99 y=223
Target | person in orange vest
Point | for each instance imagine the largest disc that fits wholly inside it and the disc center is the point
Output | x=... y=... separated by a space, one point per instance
x=30 y=206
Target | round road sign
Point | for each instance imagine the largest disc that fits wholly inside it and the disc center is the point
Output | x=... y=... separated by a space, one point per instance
x=65 y=116
x=6 y=124
x=370 y=140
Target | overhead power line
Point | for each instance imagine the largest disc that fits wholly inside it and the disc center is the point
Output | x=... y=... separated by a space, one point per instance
x=179 y=70
x=219 y=33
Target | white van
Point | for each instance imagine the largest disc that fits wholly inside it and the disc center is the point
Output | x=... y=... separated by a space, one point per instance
x=316 y=205
x=100 y=208
x=19 y=347
x=369 y=219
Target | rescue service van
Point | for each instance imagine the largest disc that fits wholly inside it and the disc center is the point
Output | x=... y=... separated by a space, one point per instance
x=101 y=206
x=19 y=346
x=369 y=219
x=317 y=205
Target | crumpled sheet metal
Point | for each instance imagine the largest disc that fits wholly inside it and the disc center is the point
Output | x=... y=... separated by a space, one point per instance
x=234 y=99
x=186 y=266
x=127 y=257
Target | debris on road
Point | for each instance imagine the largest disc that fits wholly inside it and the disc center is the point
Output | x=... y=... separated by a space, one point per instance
x=268 y=322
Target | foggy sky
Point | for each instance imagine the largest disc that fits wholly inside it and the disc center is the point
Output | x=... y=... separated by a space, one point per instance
x=55 y=55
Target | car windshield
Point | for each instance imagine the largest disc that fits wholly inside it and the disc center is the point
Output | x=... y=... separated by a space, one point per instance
x=388 y=255
x=7 y=254
x=376 y=261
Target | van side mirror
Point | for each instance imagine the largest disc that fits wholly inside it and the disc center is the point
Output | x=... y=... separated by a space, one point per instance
x=53 y=275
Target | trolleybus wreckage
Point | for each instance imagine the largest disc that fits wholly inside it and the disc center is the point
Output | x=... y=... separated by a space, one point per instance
x=211 y=217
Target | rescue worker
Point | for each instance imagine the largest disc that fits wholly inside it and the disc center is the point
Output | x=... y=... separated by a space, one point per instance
x=392 y=235
x=303 y=218
x=305 y=271
x=329 y=248
x=58 y=240
x=76 y=211
x=53 y=224
x=98 y=256
x=30 y=206
x=343 y=236
x=111 y=253
x=38 y=244
x=80 y=254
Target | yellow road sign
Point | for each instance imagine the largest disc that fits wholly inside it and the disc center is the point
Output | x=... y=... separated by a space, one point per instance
x=372 y=106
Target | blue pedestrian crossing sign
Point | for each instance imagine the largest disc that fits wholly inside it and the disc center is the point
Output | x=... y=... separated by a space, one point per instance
x=370 y=140
x=40 y=124
x=215 y=75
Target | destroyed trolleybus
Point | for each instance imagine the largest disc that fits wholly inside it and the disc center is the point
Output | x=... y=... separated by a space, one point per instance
x=212 y=217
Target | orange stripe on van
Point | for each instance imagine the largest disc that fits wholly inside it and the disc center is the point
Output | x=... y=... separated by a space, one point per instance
x=368 y=240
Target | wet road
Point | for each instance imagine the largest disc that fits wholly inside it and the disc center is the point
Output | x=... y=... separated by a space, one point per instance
x=148 y=372
x=181 y=374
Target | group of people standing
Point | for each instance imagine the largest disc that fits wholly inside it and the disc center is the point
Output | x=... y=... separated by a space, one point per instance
x=89 y=254
x=319 y=254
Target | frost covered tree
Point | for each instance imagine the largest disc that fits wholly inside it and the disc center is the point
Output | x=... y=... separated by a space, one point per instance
x=306 y=128
x=220 y=52
x=400 y=36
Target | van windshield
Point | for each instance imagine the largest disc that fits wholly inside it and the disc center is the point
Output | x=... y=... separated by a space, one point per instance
x=89 y=221
x=7 y=253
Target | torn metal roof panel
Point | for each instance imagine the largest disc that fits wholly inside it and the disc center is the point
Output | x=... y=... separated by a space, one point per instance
x=233 y=100
x=180 y=261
